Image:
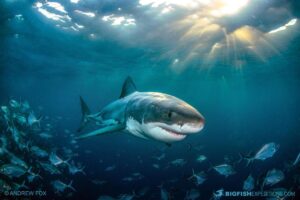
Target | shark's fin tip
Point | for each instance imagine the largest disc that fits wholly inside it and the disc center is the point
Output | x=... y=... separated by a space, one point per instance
x=128 y=87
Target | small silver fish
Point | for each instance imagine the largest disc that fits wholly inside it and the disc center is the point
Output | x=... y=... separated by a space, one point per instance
x=61 y=186
x=178 y=162
x=16 y=135
x=25 y=107
x=20 y=119
x=4 y=186
x=110 y=168
x=164 y=195
x=199 y=177
x=156 y=166
x=162 y=156
x=249 y=183
x=265 y=152
x=55 y=160
x=105 y=197
x=201 y=158
x=224 y=169
x=297 y=160
x=273 y=176
x=17 y=186
x=126 y=196
x=99 y=182
x=192 y=194
x=128 y=179
x=37 y=151
x=50 y=168
x=14 y=104
x=13 y=171
x=17 y=161
x=45 y=135
x=5 y=110
x=32 y=120
x=33 y=176
x=73 y=169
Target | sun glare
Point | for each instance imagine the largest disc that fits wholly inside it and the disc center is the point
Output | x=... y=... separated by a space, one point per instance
x=205 y=29
x=227 y=7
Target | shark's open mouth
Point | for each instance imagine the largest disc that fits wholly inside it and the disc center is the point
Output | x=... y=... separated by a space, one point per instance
x=172 y=132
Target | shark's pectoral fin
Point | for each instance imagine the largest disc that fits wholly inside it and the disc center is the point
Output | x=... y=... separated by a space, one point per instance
x=104 y=130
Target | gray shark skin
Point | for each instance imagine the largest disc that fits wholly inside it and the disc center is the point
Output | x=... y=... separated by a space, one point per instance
x=148 y=115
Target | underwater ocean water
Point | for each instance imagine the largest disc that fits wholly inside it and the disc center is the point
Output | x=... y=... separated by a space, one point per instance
x=235 y=62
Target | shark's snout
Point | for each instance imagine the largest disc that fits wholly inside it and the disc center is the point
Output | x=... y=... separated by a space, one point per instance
x=193 y=127
x=200 y=124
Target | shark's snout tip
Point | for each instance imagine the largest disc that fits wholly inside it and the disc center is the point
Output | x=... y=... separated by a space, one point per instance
x=202 y=123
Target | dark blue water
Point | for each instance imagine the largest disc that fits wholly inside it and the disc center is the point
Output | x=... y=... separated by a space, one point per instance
x=245 y=83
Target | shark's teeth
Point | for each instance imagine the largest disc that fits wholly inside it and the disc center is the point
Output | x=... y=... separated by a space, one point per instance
x=173 y=132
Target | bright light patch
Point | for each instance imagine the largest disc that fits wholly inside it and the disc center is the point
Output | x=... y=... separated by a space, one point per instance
x=38 y=4
x=88 y=14
x=292 y=22
x=205 y=2
x=245 y=34
x=19 y=17
x=284 y=27
x=202 y=32
x=57 y=6
x=227 y=7
x=166 y=10
x=54 y=16
x=79 y=26
x=116 y=21
x=74 y=28
x=182 y=3
x=106 y=18
x=92 y=36
x=50 y=15
x=74 y=1
x=217 y=8
x=214 y=49
x=129 y=22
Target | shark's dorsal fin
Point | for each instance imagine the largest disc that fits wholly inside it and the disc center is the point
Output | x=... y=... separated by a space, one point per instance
x=128 y=87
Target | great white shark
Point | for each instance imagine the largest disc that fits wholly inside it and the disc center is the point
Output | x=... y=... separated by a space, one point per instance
x=148 y=115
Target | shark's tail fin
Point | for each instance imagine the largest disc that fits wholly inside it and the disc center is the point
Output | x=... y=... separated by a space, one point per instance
x=85 y=112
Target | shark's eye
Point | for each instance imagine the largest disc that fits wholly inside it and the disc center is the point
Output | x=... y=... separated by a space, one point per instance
x=170 y=113
x=167 y=114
